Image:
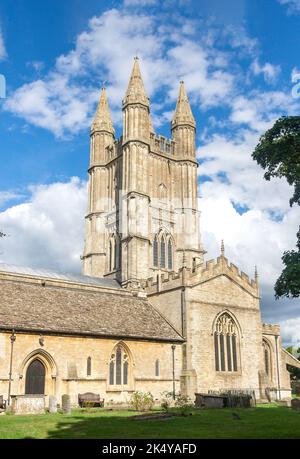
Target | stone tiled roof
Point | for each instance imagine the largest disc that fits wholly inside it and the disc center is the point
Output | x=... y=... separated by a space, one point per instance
x=28 y=305
x=47 y=273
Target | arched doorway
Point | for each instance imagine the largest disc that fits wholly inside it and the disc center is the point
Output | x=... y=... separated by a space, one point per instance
x=35 y=378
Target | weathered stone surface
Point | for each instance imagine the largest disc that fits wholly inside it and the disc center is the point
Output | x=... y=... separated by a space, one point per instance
x=66 y=404
x=295 y=404
x=28 y=404
x=52 y=404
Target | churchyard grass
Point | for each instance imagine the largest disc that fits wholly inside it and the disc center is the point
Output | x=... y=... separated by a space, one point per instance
x=267 y=421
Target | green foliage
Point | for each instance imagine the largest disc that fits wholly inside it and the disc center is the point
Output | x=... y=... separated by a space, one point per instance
x=294 y=372
x=184 y=404
x=167 y=400
x=278 y=152
x=142 y=401
x=288 y=284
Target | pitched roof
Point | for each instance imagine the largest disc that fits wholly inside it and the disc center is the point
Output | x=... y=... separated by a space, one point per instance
x=27 y=304
x=48 y=274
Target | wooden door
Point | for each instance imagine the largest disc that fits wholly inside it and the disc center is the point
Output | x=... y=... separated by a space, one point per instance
x=35 y=378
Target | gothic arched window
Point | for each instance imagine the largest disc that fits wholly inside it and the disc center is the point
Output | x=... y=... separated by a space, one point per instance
x=226 y=344
x=170 y=261
x=119 y=367
x=114 y=252
x=162 y=253
x=155 y=252
x=267 y=358
x=111 y=254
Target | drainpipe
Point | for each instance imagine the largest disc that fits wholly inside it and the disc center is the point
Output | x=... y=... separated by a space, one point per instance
x=277 y=364
x=12 y=340
x=173 y=367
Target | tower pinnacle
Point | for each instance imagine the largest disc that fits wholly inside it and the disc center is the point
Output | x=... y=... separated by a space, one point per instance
x=222 y=248
x=102 y=120
x=136 y=91
x=183 y=114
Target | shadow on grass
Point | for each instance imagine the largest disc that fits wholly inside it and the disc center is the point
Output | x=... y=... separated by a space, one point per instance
x=227 y=423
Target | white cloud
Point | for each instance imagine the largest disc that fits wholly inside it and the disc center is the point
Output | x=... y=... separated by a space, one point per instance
x=2 y=47
x=270 y=72
x=252 y=215
x=46 y=231
x=251 y=238
x=6 y=196
x=293 y=5
x=290 y=331
x=259 y=109
x=63 y=102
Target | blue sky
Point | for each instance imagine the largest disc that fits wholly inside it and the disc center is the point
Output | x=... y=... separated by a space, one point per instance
x=238 y=59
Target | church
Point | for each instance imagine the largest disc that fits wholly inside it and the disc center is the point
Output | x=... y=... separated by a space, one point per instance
x=148 y=312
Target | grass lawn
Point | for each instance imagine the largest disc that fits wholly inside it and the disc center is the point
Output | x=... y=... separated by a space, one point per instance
x=261 y=422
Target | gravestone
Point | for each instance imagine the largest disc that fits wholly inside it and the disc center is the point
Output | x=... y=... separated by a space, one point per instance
x=66 y=404
x=295 y=404
x=52 y=404
x=28 y=404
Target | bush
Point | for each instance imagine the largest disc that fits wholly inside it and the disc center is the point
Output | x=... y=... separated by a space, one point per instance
x=166 y=401
x=184 y=404
x=142 y=401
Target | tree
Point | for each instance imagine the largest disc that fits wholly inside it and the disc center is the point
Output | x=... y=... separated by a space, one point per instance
x=278 y=153
x=288 y=283
x=294 y=372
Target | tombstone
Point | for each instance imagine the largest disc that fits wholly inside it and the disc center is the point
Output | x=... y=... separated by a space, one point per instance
x=52 y=404
x=295 y=404
x=66 y=404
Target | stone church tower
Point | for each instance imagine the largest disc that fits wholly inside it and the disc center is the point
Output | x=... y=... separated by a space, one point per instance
x=142 y=229
x=143 y=218
x=149 y=314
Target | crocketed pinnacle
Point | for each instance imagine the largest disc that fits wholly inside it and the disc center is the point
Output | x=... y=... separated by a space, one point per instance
x=183 y=113
x=102 y=120
x=136 y=91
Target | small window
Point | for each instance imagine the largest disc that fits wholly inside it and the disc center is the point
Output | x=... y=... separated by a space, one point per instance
x=157 y=369
x=89 y=366
x=163 y=253
x=111 y=255
x=267 y=358
x=155 y=252
x=170 y=261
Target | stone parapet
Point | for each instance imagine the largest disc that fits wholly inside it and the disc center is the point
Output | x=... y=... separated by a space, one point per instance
x=201 y=273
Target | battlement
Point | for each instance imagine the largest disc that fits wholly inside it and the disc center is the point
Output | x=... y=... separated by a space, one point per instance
x=162 y=145
x=221 y=266
x=201 y=273
x=271 y=329
x=163 y=281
